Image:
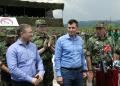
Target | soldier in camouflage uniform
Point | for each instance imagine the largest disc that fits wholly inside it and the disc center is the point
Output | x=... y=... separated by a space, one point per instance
x=118 y=43
x=46 y=50
x=5 y=42
x=0 y=65
x=118 y=40
x=95 y=44
x=4 y=69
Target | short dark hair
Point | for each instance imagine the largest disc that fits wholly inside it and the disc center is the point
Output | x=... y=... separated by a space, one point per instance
x=22 y=28
x=73 y=21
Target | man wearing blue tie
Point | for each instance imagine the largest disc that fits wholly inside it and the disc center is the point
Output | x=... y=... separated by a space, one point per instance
x=69 y=57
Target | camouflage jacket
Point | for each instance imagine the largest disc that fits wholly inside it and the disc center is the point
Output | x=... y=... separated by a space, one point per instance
x=3 y=51
x=41 y=42
x=95 y=45
x=118 y=43
x=5 y=42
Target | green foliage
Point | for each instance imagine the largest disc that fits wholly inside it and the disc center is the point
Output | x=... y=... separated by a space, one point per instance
x=112 y=26
x=32 y=20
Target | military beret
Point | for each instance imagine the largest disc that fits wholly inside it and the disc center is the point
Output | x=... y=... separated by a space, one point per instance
x=40 y=22
x=100 y=26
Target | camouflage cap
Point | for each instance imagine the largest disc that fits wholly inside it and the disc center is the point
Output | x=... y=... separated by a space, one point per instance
x=11 y=32
x=40 y=22
x=9 y=36
x=100 y=25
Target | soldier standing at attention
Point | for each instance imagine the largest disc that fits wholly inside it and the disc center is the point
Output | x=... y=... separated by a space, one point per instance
x=0 y=64
x=4 y=44
x=118 y=41
x=46 y=50
x=95 y=44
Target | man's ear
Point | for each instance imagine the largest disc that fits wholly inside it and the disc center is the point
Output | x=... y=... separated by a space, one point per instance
x=21 y=33
x=77 y=28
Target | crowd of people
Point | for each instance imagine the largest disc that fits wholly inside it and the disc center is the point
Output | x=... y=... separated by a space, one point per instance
x=27 y=60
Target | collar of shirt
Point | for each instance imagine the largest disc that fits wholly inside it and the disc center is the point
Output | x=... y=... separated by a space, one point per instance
x=73 y=38
x=21 y=43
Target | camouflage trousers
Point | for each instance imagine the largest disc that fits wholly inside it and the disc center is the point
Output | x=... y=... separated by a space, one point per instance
x=49 y=74
x=4 y=83
x=5 y=79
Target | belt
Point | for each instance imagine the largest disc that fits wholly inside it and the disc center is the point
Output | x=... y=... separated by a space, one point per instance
x=21 y=82
x=78 y=68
